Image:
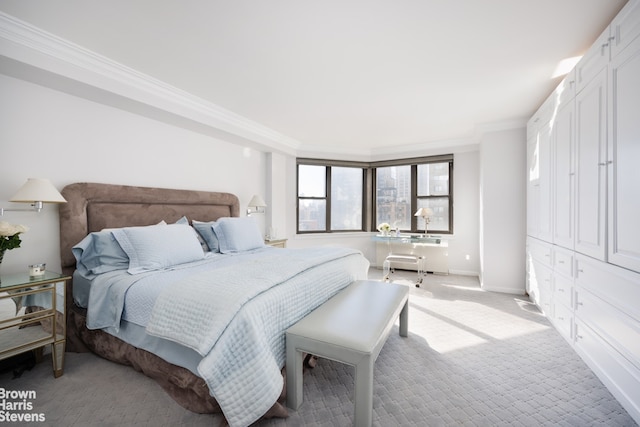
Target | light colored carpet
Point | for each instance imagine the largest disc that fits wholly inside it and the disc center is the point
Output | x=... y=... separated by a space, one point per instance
x=472 y=358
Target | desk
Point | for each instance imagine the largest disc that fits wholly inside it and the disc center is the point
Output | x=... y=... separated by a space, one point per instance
x=434 y=249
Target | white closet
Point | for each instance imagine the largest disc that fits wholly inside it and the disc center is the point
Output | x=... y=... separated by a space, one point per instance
x=583 y=208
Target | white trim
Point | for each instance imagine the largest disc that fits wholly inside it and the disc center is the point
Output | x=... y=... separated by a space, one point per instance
x=464 y=273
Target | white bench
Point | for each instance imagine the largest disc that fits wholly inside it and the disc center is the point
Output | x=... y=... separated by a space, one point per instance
x=350 y=328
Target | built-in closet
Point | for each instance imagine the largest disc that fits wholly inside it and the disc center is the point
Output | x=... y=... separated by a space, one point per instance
x=583 y=207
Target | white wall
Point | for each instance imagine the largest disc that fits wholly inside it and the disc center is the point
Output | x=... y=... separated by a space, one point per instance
x=502 y=211
x=49 y=134
x=464 y=242
x=464 y=245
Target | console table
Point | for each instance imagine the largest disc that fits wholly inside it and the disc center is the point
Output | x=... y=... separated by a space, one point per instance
x=433 y=249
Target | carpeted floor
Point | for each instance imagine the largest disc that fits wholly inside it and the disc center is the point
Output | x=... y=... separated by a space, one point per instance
x=472 y=358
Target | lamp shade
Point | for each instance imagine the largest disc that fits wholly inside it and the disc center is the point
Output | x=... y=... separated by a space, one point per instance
x=38 y=190
x=424 y=212
x=257 y=202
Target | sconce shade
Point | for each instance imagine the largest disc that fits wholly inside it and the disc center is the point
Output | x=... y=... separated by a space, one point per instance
x=257 y=202
x=38 y=190
x=424 y=212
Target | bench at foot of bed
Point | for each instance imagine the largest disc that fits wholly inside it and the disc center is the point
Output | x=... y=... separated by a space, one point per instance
x=350 y=328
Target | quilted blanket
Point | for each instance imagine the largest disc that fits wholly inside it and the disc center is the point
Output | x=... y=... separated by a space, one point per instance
x=236 y=320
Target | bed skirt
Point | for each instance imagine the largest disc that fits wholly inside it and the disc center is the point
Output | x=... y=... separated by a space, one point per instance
x=188 y=390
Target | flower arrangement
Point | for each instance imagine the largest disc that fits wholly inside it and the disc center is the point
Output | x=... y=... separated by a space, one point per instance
x=10 y=236
x=384 y=227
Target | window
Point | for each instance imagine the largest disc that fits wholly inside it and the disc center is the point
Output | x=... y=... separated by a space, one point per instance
x=404 y=188
x=433 y=192
x=312 y=198
x=330 y=198
x=354 y=196
x=393 y=196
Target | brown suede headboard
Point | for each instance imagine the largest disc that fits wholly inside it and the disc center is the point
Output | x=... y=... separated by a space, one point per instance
x=93 y=207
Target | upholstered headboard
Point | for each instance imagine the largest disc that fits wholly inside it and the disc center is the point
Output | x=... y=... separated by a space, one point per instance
x=93 y=207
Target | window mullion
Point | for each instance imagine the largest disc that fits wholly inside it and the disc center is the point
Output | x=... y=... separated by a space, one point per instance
x=414 y=197
x=328 y=227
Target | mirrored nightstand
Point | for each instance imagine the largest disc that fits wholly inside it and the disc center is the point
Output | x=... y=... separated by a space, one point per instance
x=276 y=243
x=22 y=332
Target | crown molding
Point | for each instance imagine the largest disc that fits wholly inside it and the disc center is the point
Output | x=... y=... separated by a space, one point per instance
x=104 y=80
x=500 y=126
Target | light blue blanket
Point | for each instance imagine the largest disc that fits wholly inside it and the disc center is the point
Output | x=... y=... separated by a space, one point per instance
x=196 y=313
x=235 y=317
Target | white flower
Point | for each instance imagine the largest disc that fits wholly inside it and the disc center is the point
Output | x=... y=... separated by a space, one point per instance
x=384 y=227
x=7 y=229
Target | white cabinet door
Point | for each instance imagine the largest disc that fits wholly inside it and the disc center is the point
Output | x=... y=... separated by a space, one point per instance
x=625 y=27
x=539 y=172
x=544 y=145
x=539 y=273
x=590 y=148
x=624 y=159
x=593 y=62
x=533 y=190
x=563 y=177
x=539 y=184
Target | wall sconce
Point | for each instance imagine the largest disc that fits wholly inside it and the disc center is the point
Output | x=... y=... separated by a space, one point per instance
x=257 y=204
x=426 y=214
x=36 y=191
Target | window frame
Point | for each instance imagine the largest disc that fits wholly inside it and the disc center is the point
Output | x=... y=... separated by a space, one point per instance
x=328 y=165
x=369 y=208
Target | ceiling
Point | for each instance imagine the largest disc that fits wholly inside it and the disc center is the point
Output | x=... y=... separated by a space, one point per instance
x=349 y=76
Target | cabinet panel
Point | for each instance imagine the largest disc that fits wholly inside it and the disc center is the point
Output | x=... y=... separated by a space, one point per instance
x=544 y=183
x=615 y=285
x=563 y=290
x=615 y=327
x=563 y=320
x=620 y=376
x=539 y=184
x=542 y=116
x=593 y=62
x=624 y=156
x=541 y=251
x=590 y=167
x=539 y=288
x=563 y=262
x=625 y=27
x=533 y=189
x=539 y=172
x=563 y=177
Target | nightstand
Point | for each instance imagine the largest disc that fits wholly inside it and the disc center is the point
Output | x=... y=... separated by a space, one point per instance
x=276 y=243
x=21 y=333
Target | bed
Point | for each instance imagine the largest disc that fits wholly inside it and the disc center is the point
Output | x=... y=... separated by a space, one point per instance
x=206 y=322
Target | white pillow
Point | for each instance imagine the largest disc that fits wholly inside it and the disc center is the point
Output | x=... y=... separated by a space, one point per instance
x=157 y=247
x=237 y=234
